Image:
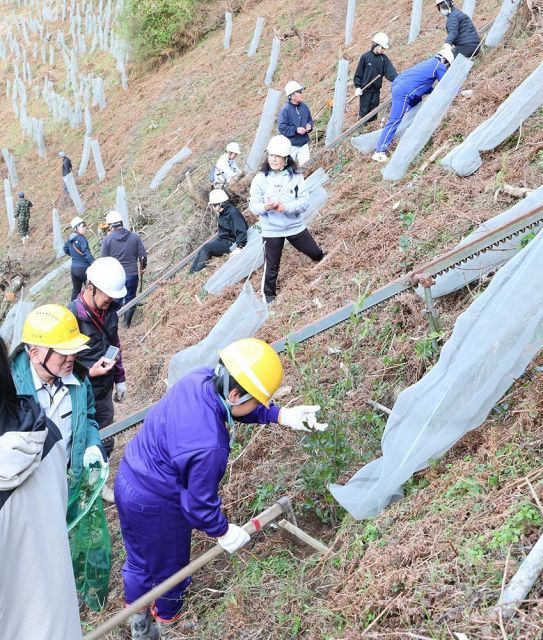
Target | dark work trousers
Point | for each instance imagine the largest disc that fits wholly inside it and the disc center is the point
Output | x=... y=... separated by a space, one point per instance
x=79 y=276
x=104 y=417
x=467 y=50
x=211 y=249
x=131 y=291
x=369 y=100
x=302 y=241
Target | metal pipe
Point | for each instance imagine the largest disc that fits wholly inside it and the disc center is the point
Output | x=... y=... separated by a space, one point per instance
x=282 y=506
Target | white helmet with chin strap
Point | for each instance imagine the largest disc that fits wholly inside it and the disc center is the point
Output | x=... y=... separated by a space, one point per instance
x=233 y=147
x=381 y=39
x=292 y=86
x=108 y=275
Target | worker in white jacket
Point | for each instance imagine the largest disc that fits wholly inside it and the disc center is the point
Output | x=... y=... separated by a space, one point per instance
x=226 y=168
x=279 y=197
x=37 y=586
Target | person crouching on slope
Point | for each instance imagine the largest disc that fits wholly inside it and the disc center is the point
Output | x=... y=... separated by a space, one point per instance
x=372 y=67
x=407 y=91
x=279 y=197
x=232 y=233
x=168 y=480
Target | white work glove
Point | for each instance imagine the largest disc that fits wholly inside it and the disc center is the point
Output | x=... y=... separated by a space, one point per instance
x=234 y=538
x=301 y=418
x=235 y=251
x=447 y=45
x=92 y=457
x=120 y=391
x=358 y=91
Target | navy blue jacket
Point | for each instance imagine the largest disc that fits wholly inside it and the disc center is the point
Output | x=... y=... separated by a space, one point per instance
x=291 y=117
x=180 y=453
x=418 y=81
x=460 y=29
x=77 y=247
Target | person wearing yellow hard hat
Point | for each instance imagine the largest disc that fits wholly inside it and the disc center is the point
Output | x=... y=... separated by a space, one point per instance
x=44 y=367
x=168 y=481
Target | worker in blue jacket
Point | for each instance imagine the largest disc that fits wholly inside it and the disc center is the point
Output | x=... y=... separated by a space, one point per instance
x=296 y=121
x=462 y=36
x=407 y=91
x=77 y=247
x=168 y=480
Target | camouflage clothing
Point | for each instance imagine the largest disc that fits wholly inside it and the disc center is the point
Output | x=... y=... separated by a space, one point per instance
x=22 y=213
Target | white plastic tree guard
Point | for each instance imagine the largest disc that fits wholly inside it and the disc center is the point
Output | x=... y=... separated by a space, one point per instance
x=256 y=36
x=274 y=59
x=9 y=206
x=416 y=15
x=366 y=142
x=491 y=345
x=10 y=164
x=468 y=7
x=501 y=23
x=100 y=171
x=168 y=166
x=227 y=29
x=265 y=126
x=428 y=118
x=464 y=159
x=335 y=124
x=85 y=156
x=74 y=193
x=349 y=22
x=43 y=282
x=88 y=122
x=58 y=242
x=121 y=204
x=11 y=330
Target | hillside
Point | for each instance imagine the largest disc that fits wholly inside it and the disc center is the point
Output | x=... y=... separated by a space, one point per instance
x=431 y=565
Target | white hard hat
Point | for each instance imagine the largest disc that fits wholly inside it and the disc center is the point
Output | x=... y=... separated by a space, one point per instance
x=61 y=154
x=113 y=217
x=381 y=39
x=293 y=86
x=446 y=52
x=279 y=146
x=217 y=196
x=108 y=275
x=233 y=147
x=76 y=222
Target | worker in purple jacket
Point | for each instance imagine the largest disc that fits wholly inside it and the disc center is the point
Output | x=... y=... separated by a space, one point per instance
x=168 y=480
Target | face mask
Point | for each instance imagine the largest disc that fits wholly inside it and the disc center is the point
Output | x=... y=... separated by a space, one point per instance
x=445 y=12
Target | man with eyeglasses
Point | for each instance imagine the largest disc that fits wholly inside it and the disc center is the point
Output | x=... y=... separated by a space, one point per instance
x=296 y=121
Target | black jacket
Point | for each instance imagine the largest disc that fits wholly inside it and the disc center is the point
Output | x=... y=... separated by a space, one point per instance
x=232 y=225
x=371 y=65
x=100 y=340
x=66 y=166
x=460 y=29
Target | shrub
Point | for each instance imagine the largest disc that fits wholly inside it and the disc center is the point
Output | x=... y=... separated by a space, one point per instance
x=155 y=27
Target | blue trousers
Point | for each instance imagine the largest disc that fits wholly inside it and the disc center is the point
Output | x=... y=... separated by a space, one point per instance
x=157 y=542
x=402 y=102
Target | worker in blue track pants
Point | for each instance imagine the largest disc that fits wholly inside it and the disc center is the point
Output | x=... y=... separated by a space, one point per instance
x=407 y=91
x=168 y=481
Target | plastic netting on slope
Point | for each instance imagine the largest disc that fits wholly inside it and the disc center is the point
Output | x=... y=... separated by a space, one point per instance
x=468 y=7
x=58 y=241
x=10 y=164
x=100 y=171
x=416 y=15
x=366 y=142
x=274 y=59
x=9 y=206
x=479 y=266
x=491 y=344
x=464 y=159
x=428 y=118
x=74 y=193
x=227 y=29
x=335 y=124
x=251 y=257
x=265 y=126
x=349 y=22
x=121 y=204
x=168 y=166
x=250 y=307
x=85 y=156
x=502 y=22
x=259 y=26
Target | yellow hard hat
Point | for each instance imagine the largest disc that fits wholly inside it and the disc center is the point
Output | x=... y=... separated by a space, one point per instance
x=255 y=366
x=54 y=326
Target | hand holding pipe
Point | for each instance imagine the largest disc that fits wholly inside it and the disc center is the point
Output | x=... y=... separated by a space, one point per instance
x=282 y=507
x=363 y=89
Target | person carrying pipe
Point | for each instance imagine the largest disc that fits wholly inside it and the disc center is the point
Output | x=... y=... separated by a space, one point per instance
x=279 y=197
x=296 y=121
x=232 y=232
x=97 y=318
x=407 y=91
x=22 y=214
x=168 y=481
x=127 y=247
x=35 y=552
x=372 y=67
x=462 y=36
x=77 y=247
x=226 y=168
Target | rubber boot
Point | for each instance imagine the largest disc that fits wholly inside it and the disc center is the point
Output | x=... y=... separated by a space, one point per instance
x=128 y=316
x=143 y=626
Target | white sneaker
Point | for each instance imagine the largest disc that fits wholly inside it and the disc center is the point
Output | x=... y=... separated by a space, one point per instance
x=379 y=156
x=107 y=494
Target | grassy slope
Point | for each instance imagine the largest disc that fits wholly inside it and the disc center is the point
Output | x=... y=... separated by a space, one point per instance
x=437 y=558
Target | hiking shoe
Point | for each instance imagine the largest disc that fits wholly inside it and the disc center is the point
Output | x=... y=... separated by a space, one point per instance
x=107 y=494
x=143 y=627
x=174 y=630
x=379 y=156
x=270 y=299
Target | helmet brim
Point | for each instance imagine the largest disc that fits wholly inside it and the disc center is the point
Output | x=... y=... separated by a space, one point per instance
x=70 y=347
